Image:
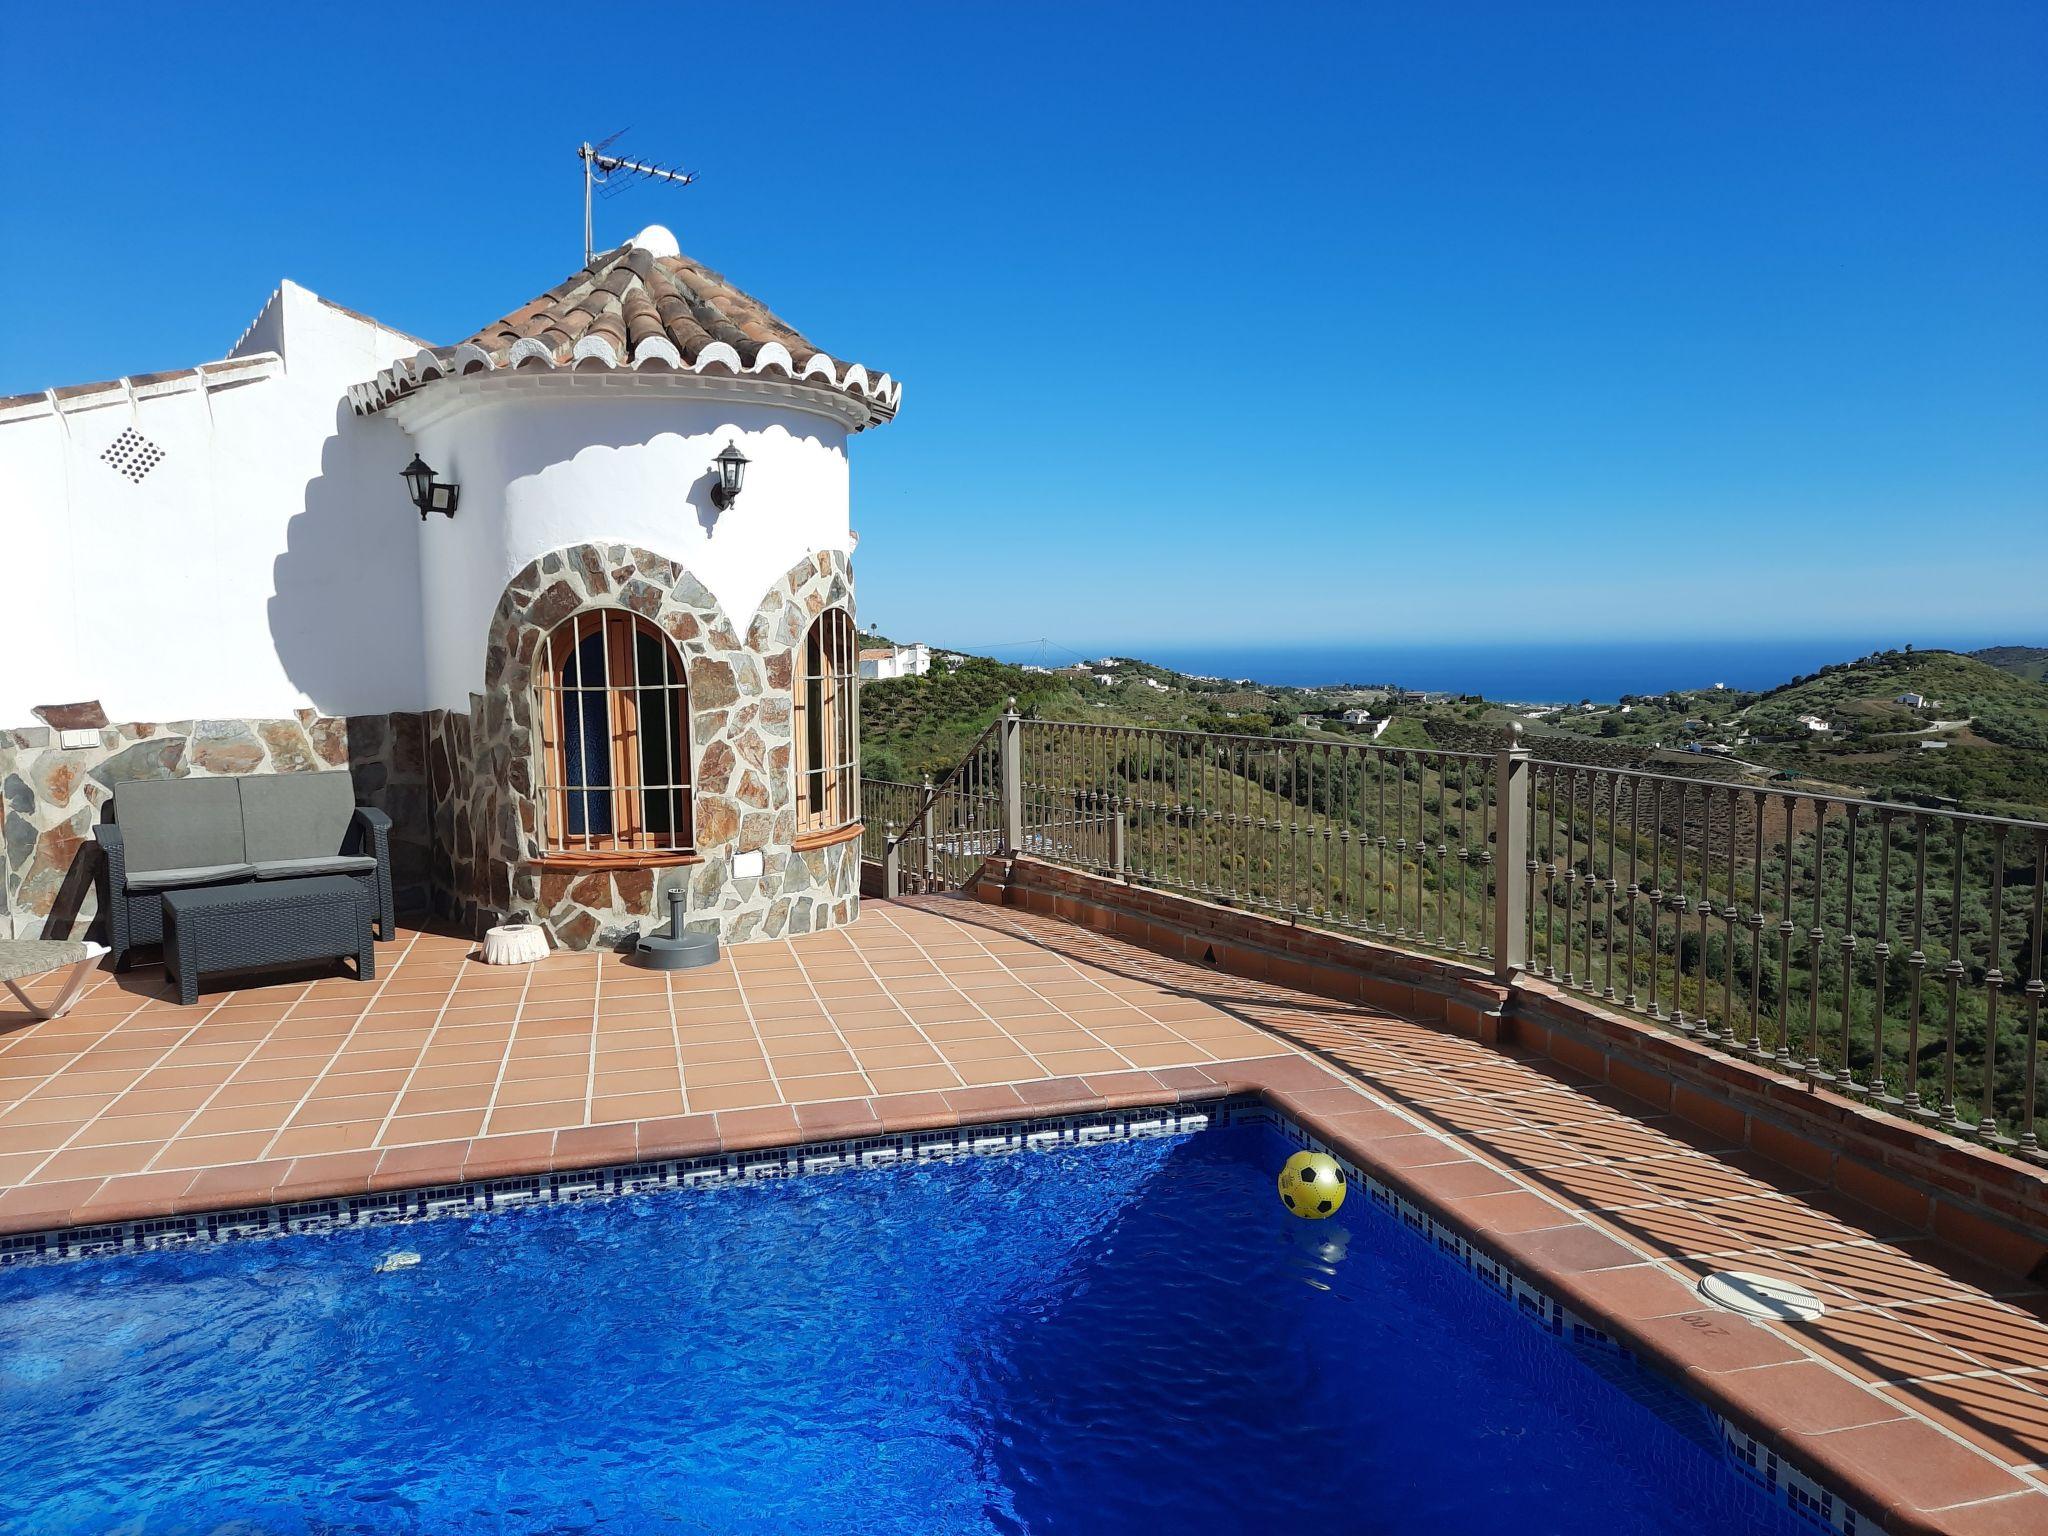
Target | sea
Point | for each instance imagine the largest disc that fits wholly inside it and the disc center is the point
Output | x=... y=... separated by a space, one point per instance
x=1547 y=672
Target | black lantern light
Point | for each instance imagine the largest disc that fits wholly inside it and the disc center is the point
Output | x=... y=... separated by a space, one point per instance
x=429 y=494
x=732 y=471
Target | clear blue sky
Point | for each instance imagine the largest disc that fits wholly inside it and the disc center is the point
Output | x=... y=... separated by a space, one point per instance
x=1422 y=320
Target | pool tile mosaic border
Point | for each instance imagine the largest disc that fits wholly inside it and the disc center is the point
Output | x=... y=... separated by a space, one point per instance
x=1751 y=1458
x=475 y=1197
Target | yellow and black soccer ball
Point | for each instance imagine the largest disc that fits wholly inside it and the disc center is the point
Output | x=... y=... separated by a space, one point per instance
x=1312 y=1185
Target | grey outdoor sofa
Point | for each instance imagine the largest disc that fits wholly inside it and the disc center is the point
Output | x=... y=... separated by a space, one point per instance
x=168 y=834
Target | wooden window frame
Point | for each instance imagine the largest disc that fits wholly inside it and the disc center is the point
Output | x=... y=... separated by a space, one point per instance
x=825 y=717
x=634 y=704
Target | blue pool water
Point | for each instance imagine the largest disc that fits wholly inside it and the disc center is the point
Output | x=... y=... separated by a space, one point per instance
x=1131 y=1337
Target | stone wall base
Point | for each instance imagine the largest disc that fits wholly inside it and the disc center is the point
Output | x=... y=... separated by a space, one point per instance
x=51 y=795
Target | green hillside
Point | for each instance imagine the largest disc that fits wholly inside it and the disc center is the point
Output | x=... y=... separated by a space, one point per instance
x=917 y=725
x=2027 y=661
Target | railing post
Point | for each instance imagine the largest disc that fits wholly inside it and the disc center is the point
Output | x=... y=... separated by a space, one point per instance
x=1511 y=829
x=926 y=829
x=892 y=862
x=1116 y=844
x=1010 y=770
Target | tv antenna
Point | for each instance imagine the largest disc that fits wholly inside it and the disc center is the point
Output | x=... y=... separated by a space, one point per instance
x=601 y=170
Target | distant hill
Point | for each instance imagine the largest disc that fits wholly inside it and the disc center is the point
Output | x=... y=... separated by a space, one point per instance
x=2027 y=661
x=1865 y=694
x=1977 y=739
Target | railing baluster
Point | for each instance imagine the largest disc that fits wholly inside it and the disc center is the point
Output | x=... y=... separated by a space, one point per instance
x=1916 y=968
x=1952 y=981
x=1756 y=928
x=1816 y=935
x=1845 y=1075
x=2030 y=1143
x=1994 y=983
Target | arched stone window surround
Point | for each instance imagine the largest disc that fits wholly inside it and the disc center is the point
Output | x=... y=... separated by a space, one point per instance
x=486 y=779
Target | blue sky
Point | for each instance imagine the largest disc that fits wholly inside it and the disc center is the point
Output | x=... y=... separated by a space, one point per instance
x=1425 y=321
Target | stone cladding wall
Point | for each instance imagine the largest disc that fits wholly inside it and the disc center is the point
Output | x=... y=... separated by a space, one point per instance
x=51 y=796
x=489 y=854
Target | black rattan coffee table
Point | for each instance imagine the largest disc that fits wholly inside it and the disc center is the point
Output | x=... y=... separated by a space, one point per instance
x=213 y=928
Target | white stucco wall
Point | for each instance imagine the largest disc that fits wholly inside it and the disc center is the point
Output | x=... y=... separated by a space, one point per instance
x=555 y=461
x=268 y=563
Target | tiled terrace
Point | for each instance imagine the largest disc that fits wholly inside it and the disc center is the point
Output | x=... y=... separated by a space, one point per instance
x=1925 y=1383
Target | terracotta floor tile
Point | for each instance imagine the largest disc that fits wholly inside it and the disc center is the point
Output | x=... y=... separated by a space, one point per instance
x=1879 y=1346
x=1673 y=1229
x=315 y=1140
x=719 y=1074
x=544 y=1090
x=1884 y=1456
x=655 y=1104
x=446 y=1125
x=1001 y=1069
x=892 y=1080
x=837 y=1085
x=730 y=1096
x=97 y=1162
x=2002 y=1336
x=509 y=1119
x=216 y=1150
x=2005 y=1415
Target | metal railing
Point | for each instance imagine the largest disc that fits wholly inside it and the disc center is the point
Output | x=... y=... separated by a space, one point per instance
x=934 y=836
x=1385 y=841
x=1889 y=952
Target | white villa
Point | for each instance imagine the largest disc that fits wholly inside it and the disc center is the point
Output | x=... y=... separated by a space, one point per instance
x=571 y=599
x=880 y=663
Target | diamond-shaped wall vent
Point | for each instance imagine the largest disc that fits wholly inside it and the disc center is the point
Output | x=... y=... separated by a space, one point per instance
x=132 y=454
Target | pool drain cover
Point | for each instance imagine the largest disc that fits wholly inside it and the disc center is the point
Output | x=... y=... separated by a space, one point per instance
x=1763 y=1296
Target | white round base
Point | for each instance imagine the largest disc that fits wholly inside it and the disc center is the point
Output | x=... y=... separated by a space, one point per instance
x=515 y=944
x=1762 y=1296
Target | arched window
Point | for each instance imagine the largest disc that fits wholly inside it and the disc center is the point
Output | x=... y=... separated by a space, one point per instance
x=614 y=717
x=828 y=725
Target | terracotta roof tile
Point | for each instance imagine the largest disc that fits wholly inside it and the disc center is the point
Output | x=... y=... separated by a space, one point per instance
x=634 y=308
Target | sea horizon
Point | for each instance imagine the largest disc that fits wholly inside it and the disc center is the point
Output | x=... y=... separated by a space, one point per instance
x=1550 y=672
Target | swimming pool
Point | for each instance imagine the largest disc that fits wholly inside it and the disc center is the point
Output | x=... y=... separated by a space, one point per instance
x=1124 y=1337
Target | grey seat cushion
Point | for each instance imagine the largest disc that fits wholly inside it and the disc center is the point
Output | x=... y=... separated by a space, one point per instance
x=338 y=864
x=296 y=815
x=173 y=879
x=179 y=824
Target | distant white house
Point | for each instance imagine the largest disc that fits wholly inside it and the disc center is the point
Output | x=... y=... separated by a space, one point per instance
x=1911 y=700
x=1034 y=667
x=1103 y=679
x=1153 y=682
x=1107 y=661
x=1815 y=723
x=880 y=663
x=1357 y=717
x=1933 y=746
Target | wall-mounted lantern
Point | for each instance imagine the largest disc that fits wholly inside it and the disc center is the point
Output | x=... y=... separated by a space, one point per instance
x=429 y=494
x=732 y=472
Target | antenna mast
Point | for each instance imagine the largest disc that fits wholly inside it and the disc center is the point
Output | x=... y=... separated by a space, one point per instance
x=598 y=170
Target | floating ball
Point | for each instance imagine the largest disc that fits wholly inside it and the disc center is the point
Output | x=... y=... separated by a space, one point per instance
x=1312 y=1185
